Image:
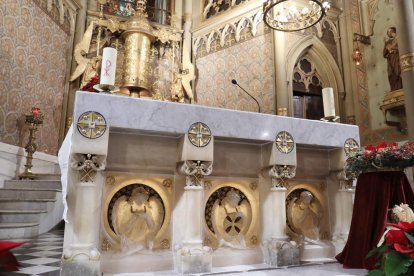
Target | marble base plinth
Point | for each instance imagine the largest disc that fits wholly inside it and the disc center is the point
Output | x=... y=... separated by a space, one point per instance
x=76 y=268
x=323 y=251
x=281 y=253
x=197 y=261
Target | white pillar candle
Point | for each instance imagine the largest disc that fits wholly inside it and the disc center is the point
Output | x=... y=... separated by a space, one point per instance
x=328 y=102
x=108 y=67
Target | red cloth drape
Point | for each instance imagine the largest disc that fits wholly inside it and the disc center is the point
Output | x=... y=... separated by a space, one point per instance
x=375 y=193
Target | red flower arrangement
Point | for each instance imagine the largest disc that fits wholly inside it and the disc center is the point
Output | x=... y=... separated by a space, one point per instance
x=397 y=253
x=384 y=155
x=89 y=86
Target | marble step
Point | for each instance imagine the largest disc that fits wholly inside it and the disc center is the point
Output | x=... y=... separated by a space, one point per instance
x=18 y=230
x=48 y=176
x=43 y=184
x=28 y=193
x=20 y=216
x=21 y=204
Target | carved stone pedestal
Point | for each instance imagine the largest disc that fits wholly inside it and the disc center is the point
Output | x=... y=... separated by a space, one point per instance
x=281 y=253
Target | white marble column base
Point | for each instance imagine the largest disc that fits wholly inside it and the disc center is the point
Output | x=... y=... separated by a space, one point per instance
x=193 y=260
x=76 y=268
x=278 y=253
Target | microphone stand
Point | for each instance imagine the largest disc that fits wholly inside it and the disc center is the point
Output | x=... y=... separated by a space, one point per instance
x=235 y=83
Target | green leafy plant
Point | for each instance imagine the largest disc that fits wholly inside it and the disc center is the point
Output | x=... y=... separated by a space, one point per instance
x=396 y=255
x=384 y=155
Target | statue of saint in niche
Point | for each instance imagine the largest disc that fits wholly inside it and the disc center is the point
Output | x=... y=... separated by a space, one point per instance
x=137 y=220
x=231 y=218
x=304 y=215
x=391 y=53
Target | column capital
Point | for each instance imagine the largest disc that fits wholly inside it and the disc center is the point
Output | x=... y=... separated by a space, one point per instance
x=280 y=174
x=88 y=165
x=195 y=171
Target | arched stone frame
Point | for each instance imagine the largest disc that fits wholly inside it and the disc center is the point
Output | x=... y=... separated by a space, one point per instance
x=326 y=65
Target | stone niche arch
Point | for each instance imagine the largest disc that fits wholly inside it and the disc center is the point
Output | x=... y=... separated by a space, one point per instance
x=325 y=64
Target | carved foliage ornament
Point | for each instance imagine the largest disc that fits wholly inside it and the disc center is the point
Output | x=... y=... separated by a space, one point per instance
x=280 y=174
x=88 y=165
x=284 y=142
x=351 y=146
x=195 y=171
x=199 y=134
x=91 y=125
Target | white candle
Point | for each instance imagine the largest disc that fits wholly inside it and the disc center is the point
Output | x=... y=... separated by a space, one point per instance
x=328 y=102
x=108 y=67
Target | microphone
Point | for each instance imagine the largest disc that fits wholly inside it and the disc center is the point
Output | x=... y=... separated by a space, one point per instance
x=233 y=81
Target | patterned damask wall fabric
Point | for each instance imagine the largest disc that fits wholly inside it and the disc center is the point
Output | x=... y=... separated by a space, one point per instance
x=251 y=64
x=33 y=62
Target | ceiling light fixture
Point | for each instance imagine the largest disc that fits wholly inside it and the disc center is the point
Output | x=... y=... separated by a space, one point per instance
x=291 y=16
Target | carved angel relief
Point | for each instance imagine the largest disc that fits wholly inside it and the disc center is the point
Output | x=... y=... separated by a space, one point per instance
x=229 y=215
x=136 y=214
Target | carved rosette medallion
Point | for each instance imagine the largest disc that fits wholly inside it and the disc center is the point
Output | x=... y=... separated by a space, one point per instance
x=199 y=134
x=407 y=62
x=284 y=142
x=351 y=146
x=91 y=125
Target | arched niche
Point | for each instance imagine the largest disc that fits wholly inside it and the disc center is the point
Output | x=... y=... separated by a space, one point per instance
x=324 y=62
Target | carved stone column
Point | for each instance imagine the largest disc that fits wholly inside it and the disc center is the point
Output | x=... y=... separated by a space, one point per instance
x=86 y=219
x=194 y=172
x=346 y=193
x=279 y=175
x=195 y=161
x=405 y=23
x=279 y=159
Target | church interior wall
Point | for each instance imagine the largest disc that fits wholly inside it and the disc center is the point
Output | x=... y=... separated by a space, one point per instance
x=33 y=71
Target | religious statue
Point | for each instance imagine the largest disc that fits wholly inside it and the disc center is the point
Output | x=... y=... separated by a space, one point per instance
x=391 y=53
x=176 y=89
x=231 y=218
x=304 y=215
x=137 y=220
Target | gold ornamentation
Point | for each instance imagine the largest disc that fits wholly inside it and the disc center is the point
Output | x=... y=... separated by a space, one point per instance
x=34 y=121
x=253 y=186
x=106 y=245
x=350 y=146
x=91 y=125
x=207 y=185
x=228 y=215
x=88 y=165
x=110 y=180
x=253 y=240
x=407 y=62
x=165 y=244
x=176 y=88
x=166 y=35
x=284 y=142
x=280 y=174
x=199 y=134
x=167 y=183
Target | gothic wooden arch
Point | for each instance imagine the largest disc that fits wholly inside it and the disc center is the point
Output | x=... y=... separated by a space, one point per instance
x=324 y=62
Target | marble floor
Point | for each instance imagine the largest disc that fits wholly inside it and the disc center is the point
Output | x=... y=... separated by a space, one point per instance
x=41 y=256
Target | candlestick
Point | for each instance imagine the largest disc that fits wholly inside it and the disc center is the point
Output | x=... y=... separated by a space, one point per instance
x=34 y=120
x=108 y=71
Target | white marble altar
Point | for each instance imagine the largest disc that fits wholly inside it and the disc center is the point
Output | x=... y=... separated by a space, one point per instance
x=222 y=197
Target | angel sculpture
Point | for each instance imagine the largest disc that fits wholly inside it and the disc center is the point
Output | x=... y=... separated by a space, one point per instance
x=231 y=219
x=304 y=214
x=137 y=220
